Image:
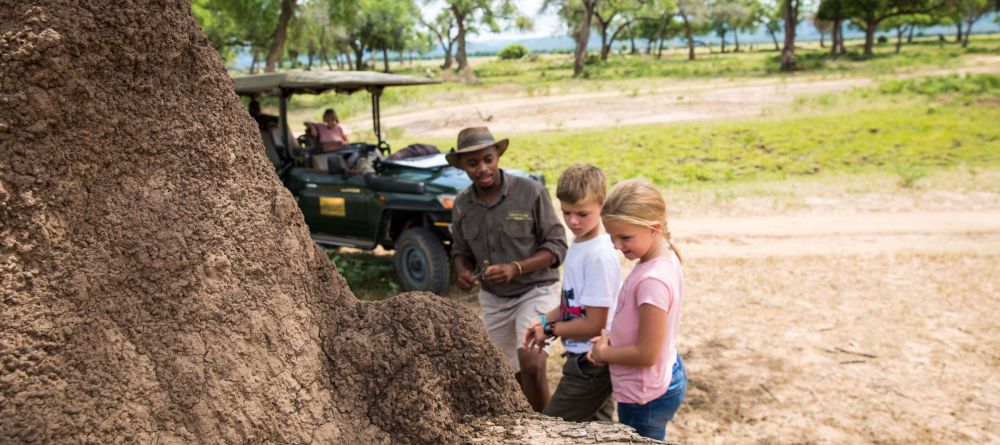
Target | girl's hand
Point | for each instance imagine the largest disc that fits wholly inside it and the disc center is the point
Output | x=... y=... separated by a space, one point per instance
x=534 y=336
x=600 y=348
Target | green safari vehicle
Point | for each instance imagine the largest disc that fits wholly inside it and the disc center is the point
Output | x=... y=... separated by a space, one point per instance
x=363 y=195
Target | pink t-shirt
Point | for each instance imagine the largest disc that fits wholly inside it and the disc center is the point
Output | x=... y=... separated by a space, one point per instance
x=659 y=282
x=335 y=134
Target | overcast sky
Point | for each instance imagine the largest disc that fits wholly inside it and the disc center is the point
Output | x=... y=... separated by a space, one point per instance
x=546 y=25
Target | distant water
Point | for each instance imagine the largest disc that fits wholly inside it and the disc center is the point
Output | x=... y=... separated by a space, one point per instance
x=805 y=33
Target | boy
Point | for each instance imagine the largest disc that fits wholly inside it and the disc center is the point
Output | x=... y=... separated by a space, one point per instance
x=591 y=280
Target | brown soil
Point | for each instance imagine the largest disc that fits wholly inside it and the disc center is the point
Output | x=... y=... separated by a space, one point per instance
x=651 y=101
x=159 y=285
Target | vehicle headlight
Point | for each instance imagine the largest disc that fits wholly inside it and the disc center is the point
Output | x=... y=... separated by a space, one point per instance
x=447 y=201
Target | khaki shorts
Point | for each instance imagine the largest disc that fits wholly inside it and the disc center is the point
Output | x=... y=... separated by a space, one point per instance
x=507 y=319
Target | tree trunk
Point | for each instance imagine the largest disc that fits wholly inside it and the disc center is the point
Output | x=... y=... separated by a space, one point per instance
x=582 y=38
x=968 y=32
x=822 y=35
x=788 y=62
x=359 y=57
x=869 y=38
x=385 y=60
x=835 y=35
x=605 y=45
x=910 y=38
x=899 y=37
x=461 y=58
x=736 y=39
x=774 y=37
x=722 y=36
x=958 y=32
x=280 y=31
x=689 y=35
x=254 y=56
x=447 y=55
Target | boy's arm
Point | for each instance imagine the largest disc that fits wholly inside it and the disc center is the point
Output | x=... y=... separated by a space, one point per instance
x=583 y=328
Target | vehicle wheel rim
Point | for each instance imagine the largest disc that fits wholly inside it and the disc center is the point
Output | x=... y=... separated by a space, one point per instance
x=416 y=265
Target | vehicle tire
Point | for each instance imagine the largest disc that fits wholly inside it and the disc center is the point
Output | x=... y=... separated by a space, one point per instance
x=421 y=261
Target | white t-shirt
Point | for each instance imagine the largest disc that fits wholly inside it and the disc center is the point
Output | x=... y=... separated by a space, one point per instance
x=592 y=276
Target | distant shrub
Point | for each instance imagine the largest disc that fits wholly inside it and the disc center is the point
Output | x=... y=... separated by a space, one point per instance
x=974 y=86
x=515 y=51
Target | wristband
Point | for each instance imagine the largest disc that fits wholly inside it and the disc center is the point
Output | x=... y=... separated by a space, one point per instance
x=520 y=270
x=549 y=330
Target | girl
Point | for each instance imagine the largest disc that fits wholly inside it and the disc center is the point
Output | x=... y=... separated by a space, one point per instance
x=647 y=374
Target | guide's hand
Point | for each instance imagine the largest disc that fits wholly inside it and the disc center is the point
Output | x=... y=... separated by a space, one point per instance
x=535 y=337
x=467 y=280
x=500 y=273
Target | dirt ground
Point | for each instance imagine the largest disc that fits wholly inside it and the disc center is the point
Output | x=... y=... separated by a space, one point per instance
x=643 y=101
x=849 y=319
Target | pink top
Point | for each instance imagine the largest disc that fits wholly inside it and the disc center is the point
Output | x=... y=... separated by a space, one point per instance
x=659 y=282
x=335 y=134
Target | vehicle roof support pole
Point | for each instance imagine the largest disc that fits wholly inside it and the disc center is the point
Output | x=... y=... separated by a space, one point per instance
x=377 y=113
x=283 y=118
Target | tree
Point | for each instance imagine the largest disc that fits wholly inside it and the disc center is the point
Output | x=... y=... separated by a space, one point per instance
x=578 y=15
x=694 y=16
x=611 y=17
x=729 y=16
x=374 y=26
x=768 y=15
x=443 y=29
x=280 y=32
x=489 y=13
x=790 y=17
x=868 y=14
x=832 y=11
x=249 y=24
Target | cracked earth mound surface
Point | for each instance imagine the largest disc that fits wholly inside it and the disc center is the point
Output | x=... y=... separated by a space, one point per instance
x=158 y=284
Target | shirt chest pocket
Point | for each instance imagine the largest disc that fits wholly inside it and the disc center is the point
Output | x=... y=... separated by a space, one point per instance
x=518 y=229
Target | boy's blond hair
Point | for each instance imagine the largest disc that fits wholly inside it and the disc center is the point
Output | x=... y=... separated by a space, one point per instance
x=638 y=202
x=582 y=182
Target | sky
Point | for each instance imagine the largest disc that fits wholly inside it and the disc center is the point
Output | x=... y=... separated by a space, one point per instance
x=546 y=25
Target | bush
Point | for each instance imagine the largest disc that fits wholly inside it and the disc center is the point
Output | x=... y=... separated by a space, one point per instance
x=515 y=51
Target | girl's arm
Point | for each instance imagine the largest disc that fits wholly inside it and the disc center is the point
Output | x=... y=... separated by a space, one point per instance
x=652 y=334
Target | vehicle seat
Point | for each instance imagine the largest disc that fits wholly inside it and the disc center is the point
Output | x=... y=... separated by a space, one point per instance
x=414 y=150
x=270 y=150
x=348 y=160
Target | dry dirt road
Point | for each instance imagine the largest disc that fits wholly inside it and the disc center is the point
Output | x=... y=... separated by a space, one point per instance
x=857 y=325
x=639 y=102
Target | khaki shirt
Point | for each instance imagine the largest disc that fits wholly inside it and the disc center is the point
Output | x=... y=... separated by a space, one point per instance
x=520 y=223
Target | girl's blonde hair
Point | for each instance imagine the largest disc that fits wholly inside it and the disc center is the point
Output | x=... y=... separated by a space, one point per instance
x=637 y=202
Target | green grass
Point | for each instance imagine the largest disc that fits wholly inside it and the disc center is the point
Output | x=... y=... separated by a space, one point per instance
x=371 y=277
x=892 y=128
x=547 y=74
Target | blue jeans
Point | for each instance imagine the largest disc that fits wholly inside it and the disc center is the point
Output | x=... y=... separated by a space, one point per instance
x=650 y=419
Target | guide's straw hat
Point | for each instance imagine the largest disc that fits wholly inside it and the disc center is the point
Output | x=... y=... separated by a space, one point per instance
x=473 y=139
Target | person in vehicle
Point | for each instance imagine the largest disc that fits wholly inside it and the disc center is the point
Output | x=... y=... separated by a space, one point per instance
x=330 y=134
x=264 y=121
x=508 y=240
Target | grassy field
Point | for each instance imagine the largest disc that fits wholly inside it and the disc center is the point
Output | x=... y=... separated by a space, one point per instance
x=896 y=136
x=552 y=74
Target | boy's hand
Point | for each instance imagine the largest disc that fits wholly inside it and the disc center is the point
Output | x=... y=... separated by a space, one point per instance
x=500 y=273
x=596 y=354
x=535 y=337
x=467 y=280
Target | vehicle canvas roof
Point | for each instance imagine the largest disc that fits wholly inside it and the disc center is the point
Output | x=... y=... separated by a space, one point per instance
x=315 y=82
